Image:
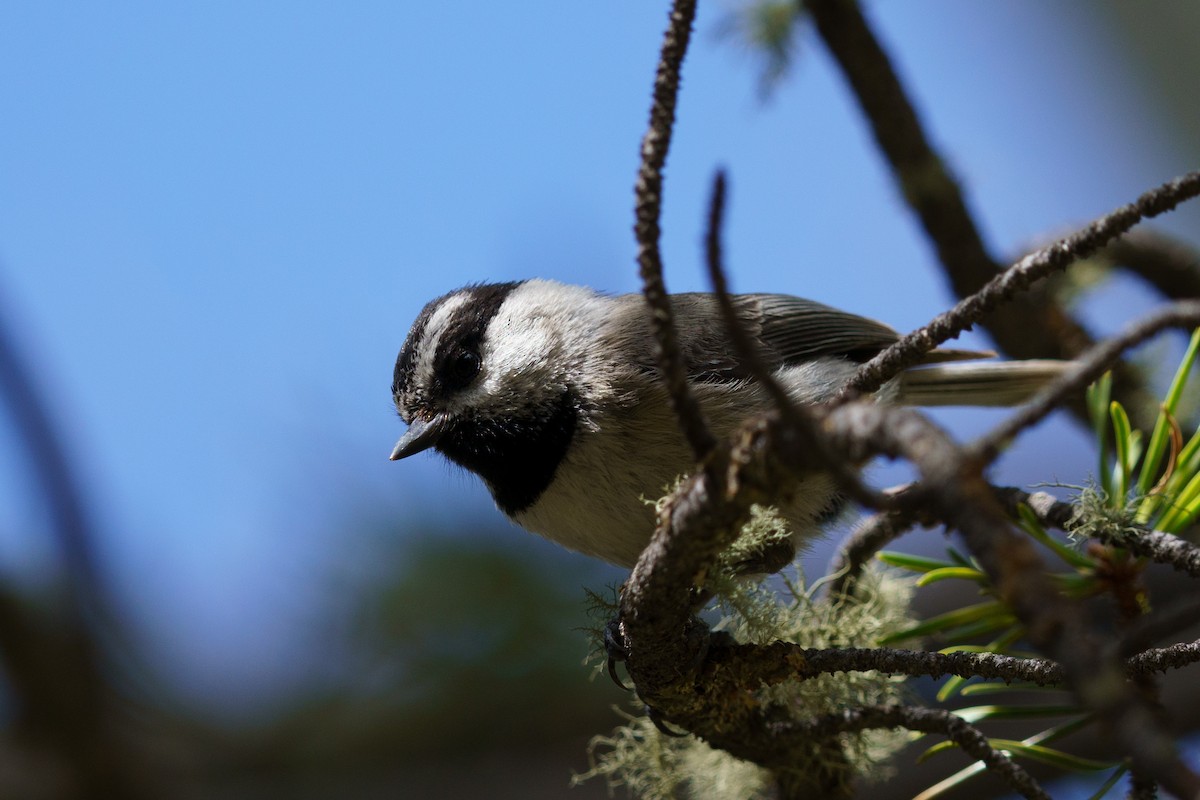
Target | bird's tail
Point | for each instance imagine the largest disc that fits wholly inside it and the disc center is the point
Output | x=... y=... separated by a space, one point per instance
x=981 y=383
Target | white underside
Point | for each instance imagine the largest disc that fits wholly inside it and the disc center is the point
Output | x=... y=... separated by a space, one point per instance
x=601 y=499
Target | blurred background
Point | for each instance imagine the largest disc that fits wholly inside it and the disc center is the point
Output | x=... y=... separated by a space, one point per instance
x=218 y=220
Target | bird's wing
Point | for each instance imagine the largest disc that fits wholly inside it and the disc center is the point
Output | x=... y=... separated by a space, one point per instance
x=790 y=330
x=795 y=330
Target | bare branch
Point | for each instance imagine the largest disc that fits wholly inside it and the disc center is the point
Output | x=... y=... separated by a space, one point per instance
x=926 y=720
x=1165 y=548
x=780 y=661
x=648 y=191
x=1034 y=327
x=860 y=546
x=747 y=350
x=1161 y=659
x=959 y=495
x=764 y=462
x=912 y=347
x=744 y=346
x=1090 y=366
x=920 y=662
x=1168 y=264
x=671 y=656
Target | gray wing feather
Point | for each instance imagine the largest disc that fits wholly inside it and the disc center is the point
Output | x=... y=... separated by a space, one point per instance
x=790 y=330
x=800 y=330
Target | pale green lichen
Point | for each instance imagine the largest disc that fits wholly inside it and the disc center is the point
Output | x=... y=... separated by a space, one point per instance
x=653 y=766
x=1097 y=517
x=765 y=530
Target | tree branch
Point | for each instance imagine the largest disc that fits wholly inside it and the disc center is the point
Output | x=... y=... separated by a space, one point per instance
x=1165 y=548
x=1161 y=659
x=959 y=495
x=813 y=661
x=1168 y=264
x=765 y=461
x=913 y=346
x=778 y=661
x=750 y=356
x=1090 y=366
x=925 y=720
x=52 y=660
x=860 y=546
x=671 y=656
x=1035 y=327
x=648 y=191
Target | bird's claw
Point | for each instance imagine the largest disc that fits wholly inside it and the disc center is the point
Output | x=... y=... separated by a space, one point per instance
x=657 y=718
x=616 y=649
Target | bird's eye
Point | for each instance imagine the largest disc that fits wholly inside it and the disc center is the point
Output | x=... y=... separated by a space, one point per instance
x=460 y=369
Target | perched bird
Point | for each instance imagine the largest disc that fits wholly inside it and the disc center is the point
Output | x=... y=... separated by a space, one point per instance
x=551 y=394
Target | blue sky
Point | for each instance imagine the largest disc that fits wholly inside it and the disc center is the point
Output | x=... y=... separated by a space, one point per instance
x=218 y=219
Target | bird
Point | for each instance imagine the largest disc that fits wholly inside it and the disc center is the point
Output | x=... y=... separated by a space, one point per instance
x=551 y=394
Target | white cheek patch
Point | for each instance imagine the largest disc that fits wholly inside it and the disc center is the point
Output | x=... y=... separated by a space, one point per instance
x=518 y=361
x=532 y=346
x=522 y=349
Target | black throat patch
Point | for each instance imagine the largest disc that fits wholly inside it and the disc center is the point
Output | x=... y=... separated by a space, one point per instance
x=516 y=456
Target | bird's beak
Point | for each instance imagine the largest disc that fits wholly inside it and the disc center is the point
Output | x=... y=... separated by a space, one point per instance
x=421 y=435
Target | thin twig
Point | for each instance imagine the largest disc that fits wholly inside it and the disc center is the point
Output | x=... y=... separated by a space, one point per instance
x=53 y=662
x=750 y=356
x=923 y=663
x=648 y=192
x=744 y=346
x=766 y=462
x=655 y=602
x=1035 y=326
x=1165 y=548
x=780 y=661
x=925 y=720
x=912 y=347
x=860 y=546
x=1181 y=613
x=1087 y=368
x=783 y=661
x=1169 y=265
x=1161 y=659
x=958 y=495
